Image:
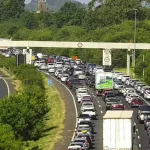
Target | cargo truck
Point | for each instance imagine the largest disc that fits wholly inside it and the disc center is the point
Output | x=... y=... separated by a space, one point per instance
x=118 y=130
x=103 y=81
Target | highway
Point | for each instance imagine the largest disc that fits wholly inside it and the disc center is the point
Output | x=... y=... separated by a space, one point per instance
x=140 y=137
x=3 y=88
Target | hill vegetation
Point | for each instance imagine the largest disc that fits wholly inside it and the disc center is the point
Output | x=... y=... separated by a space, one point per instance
x=110 y=22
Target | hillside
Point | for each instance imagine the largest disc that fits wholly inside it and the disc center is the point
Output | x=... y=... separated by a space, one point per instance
x=52 y=4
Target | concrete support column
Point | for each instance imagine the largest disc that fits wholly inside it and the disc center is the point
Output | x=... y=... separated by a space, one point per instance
x=128 y=62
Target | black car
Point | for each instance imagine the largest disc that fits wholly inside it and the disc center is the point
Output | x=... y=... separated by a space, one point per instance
x=87 y=122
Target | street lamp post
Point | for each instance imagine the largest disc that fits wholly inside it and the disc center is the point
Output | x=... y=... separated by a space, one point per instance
x=133 y=57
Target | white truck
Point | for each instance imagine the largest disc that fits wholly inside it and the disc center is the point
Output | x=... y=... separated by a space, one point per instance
x=103 y=81
x=118 y=130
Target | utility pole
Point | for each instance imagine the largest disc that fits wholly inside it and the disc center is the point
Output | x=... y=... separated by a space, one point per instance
x=133 y=57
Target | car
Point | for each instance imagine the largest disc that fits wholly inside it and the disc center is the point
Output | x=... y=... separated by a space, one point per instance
x=74 y=147
x=130 y=96
x=57 y=72
x=43 y=66
x=147 y=94
x=146 y=123
x=109 y=95
x=87 y=137
x=87 y=122
x=81 y=129
x=84 y=117
x=110 y=101
x=89 y=104
x=117 y=85
x=136 y=102
x=83 y=146
x=90 y=111
x=105 y=92
x=143 y=111
x=117 y=106
x=83 y=140
x=64 y=77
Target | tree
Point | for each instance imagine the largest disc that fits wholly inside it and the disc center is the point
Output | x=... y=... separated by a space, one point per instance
x=11 y=8
x=7 y=139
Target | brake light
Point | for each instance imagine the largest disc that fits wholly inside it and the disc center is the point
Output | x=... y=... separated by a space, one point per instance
x=86 y=143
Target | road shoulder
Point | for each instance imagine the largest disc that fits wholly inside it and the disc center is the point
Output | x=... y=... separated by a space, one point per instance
x=70 y=117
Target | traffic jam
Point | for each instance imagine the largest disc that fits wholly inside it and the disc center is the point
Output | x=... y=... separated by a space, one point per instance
x=117 y=90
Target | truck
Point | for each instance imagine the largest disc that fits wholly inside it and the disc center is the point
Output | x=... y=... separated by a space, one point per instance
x=118 y=128
x=103 y=81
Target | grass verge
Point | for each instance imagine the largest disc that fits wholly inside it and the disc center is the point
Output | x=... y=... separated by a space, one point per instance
x=55 y=123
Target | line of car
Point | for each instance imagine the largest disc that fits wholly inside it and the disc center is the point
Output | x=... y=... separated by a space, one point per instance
x=132 y=90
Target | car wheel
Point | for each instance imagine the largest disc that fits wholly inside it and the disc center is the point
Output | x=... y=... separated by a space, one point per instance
x=145 y=127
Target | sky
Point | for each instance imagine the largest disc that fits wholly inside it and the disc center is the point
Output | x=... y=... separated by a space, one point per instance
x=82 y=1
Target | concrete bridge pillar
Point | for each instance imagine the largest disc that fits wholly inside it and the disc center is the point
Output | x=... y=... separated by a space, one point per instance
x=28 y=53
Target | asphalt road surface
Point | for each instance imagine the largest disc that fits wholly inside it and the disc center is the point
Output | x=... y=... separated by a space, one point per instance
x=140 y=137
x=3 y=88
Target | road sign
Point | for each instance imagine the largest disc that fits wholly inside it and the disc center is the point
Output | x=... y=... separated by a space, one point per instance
x=106 y=57
x=50 y=82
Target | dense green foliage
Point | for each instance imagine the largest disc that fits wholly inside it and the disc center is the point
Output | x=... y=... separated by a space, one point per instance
x=24 y=112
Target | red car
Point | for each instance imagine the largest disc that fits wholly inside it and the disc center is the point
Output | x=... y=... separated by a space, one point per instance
x=136 y=102
x=118 y=106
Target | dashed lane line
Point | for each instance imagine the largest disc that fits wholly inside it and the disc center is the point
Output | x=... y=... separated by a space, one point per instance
x=138 y=137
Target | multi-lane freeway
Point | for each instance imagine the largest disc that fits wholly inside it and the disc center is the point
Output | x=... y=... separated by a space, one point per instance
x=140 y=136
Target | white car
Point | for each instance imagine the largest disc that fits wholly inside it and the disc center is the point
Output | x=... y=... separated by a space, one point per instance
x=129 y=96
x=143 y=89
x=98 y=68
x=119 y=75
x=64 y=77
x=83 y=107
x=90 y=111
x=78 y=71
x=117 y=85
x=43 y=67
x=80 y=93
x=74 y=147
x=78 y=61
x=147 y=94
x=58 y=65
x=50 y=65
x=57 y=71
x=124 y=78
x=38 y=63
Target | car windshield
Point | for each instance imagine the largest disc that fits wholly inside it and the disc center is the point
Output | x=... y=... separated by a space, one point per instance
x=74 y=148
x=84 y=116
x=110 y=95
x=88 y=110
x=119 y=83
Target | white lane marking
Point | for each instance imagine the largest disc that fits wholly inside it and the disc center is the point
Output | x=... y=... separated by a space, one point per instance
x=137 y=130
x=72 y=98
x=94 y=96
x=6 y=85
x=138 y=137
x=100 y=106
x=139 y=145
x=98 y=101
x=101 y=111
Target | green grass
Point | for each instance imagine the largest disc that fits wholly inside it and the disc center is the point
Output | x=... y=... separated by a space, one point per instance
x=55 y=123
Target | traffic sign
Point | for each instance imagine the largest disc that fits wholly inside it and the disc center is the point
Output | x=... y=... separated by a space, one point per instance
x=106 y=57
x=50 y=82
